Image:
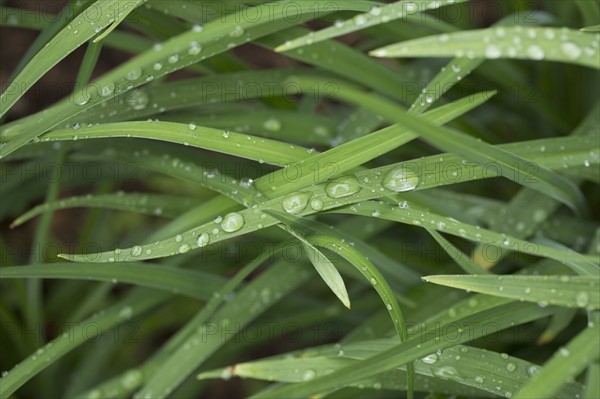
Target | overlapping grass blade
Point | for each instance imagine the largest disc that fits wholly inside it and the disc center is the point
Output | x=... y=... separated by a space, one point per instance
x=83 y=27
x=531 y=43
x=503 y=317
x=376 y=15
x=195 y=284
x=564 y=365
x=152 y=204
x=569 y=291
x=511 y=165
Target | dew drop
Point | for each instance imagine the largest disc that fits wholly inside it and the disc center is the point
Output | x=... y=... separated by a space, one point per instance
x=492 y=51
x=342 y=187
x=316 y=204
x=272 y=124
x=400 y=179
x=430 y=359
x=510 y=367
x=232 y=222
x=571 y=50
x=136 y=250
x=295 y=203
x=535 y=52
x=134 y=74
x=309 y=375
x=203 y=240
x=582 y=299
x=183 y=248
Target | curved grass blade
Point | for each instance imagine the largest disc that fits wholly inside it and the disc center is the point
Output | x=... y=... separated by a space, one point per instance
x=445 y=337
x=565 y=365
x=83 y=27
x=592 y=382
x=323 y=266
x=152 y=204
x=194 y=284
x=595 y=28
x=570 y=291
x=76 y=335
x=242 y=145
x=185 y=49
x=376 y=15
x=361 y=264
x=460 y=367
x=410 y=214
x=258 y=296
x=320 y=201
x=457 y=255
x=511 y=165
x=532 y=43
x=337 y=160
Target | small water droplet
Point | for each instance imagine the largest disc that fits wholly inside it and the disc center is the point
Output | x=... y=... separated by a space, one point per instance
x=134 y=74
x=183 y=248
x=582 y=299
x=571 y=50
x=510 y=367
x=535 y=52
x=430 y=359
x=136 y=250
x=309 y=375
x=316 y=204
x=493 y=52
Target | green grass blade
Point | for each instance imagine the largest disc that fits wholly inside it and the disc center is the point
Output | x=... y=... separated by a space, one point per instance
x=415 y=348
x=457 y=255
x=532 y=43
x=511 y=165
x=194 y=284
x=151 y=204
x=376 y=15
x=63 y=43
x=74 y=336
x=565 y=365
x=570 y=291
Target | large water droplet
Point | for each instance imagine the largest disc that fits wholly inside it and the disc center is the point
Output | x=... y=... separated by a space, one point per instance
x=571 y=50
x=183 y=248
x=295 y=203
x=138 y=100
x=535 y=52
x=582 y=299
x=492 y=51
x=309 y=375
x=132 y=379
x=232 y=222
x=203 y=240
x=342 y=187
x=431 y=359
x=272 y=124
x=134 y=74
x=136 y=250
x=82 y=98
x=400 y=179
x=510 y=367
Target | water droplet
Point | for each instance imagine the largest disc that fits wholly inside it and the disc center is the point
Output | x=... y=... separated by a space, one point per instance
x=400 y=179
x=225 y=134
x=535 y=52
x=203 y=240
x=309 y=375
x=446 y=372
x=136 y=250
x=132 y=379
x=173 y=58
x=479 y=379
x=107 y=90
x=582 y=299
x=197 y=28
x=532 y=370
x=134 y=74
x=510 y=367
x=342 y=187
x=232 y=222
x=571 y=50
x=178 y=238
x=430 y=359
x=492 y=51
x=194 y=49
x=138 y=100
x=316 y=204
x=237 y=31
x=295 y=203
x=360 y=20
x=563 y=351
x=82 y=98
x=126 y=312
x=183 y=248
x=272 y=124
